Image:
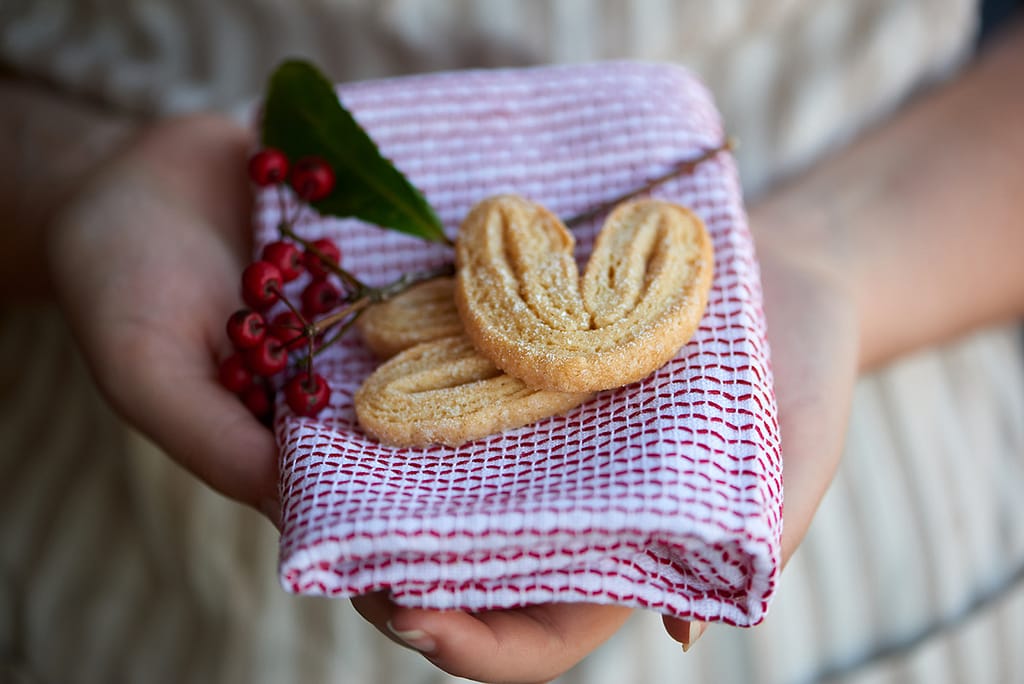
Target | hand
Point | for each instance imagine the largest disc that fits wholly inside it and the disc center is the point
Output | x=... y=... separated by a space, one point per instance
x=145 y=261
x=862 y=258
x=813 y=330
x=814 y=334
x=530 y=644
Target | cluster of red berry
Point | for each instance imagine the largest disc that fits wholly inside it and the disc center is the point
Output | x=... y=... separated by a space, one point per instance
x=263 y=342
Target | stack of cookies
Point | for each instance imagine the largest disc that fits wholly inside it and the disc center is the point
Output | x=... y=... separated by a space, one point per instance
x=518 y=335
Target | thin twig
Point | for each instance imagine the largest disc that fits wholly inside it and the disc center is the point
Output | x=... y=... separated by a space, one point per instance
x=685 y=166
x=341 y=332
x=352 y=284
x=386 y=292
x=362 y=296
x=328 y=322
x=291 y=307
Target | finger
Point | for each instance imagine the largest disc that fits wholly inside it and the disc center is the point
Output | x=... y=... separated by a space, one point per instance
x=532 y=644
x=376 y=609
x=169 y=390
x=211 y=433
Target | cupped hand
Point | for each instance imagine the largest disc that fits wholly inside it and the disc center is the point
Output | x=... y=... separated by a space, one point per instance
x=146 y=260
x=814 y=335
x=813 y=332
x=530 y=644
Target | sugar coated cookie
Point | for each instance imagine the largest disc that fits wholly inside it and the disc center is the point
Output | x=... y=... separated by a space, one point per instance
x=445 y=392
x=422 y=313
x=525 y=308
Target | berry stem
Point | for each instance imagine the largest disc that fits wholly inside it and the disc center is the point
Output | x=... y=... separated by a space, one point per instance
x=351 y=283
x=309 y=363
x=373 y=295
x=333 y=319
x=341 y=331
x=685 y=166
x=351 y=312
x=362 y=295
x=386 y=292
x=263 y=283
x=308 y=329
x=282 y=206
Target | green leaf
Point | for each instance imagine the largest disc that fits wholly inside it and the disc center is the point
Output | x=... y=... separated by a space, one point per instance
x=303 y=116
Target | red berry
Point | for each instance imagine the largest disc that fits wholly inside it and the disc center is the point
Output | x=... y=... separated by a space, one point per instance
x=307 y=396
x=246 y=328
x=312 y=178
x=288 y=328
x=234 y=375
x=268 y=166
x=315 y=264
x=319 y=297
x=259 y=400
x=267 y=358
x=261 y=281
x=286 y=256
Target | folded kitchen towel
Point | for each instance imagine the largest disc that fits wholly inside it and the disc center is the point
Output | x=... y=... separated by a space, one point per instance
x=665 y=494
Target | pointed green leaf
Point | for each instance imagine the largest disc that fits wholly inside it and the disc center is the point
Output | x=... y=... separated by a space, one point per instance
x=303 y=116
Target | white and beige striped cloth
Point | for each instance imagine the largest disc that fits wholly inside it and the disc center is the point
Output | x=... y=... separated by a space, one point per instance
x=117 y=566
x=790 y=76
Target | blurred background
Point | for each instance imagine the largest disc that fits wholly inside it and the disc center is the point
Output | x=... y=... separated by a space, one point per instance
x=914 y=568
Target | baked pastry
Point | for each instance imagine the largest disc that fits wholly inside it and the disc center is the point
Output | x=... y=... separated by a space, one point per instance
x=445 y=392
x=525 y=308
x=422 y=313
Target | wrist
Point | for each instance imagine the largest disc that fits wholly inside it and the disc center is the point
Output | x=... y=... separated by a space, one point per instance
x=805 y=238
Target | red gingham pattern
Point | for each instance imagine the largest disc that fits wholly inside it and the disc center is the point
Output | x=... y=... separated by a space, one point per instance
x=665 y=494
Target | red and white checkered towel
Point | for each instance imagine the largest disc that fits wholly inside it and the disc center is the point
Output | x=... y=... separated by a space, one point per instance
x=665 y=494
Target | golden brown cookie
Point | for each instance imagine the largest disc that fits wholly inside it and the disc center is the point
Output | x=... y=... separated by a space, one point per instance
x=422 y=313
x=524 y=306
x=445 y=392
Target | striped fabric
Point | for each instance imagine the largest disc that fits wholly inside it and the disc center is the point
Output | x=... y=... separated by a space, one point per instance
x=116 y=566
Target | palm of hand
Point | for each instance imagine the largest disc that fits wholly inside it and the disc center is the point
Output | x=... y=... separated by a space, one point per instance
x=813 y=334
x=145 y=263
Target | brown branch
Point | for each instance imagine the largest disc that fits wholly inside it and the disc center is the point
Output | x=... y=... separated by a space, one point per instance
x=352 y=284
x=685 y=166
x=366 y=295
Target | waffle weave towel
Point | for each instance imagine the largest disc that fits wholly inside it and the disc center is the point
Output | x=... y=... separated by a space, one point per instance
x=665 y=494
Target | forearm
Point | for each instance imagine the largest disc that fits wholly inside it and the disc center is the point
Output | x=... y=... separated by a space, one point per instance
x=924 y=215
x=50 y=145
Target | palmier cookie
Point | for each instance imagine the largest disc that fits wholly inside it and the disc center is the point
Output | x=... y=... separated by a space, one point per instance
x=445 y=392
x=422 y=313
x=524 y=306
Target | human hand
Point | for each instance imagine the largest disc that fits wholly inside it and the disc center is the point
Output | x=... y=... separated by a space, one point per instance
x=145 y=262
x=814 y=335
x=865 y=258
x=530 y=644
x=813 y=331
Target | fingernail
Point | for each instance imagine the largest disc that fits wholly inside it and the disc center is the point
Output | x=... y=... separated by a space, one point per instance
x=414 y=638
x=694 y=630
